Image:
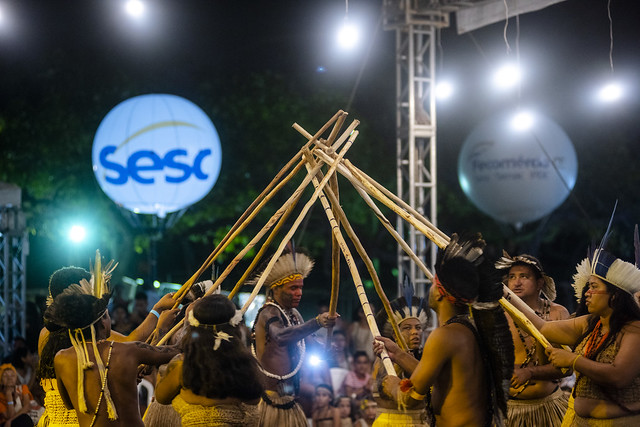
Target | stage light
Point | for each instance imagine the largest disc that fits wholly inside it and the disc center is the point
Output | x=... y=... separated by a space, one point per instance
x=444 y=90
x=77 y=233
x=522 y=121
x=134 y=8
x=611 y=92
x=507 y=76
x=348 y=35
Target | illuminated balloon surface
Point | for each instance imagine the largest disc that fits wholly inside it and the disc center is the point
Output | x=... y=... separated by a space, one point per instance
x=517 y=176
x=156 y=154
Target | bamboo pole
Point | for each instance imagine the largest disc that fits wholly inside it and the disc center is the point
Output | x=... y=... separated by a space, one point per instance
x=402 y=203
x=258 y=203
x=238 y=228
x=280 y=216
x=381 y=217
x=297 y=222
x=335 y=260
x=411 y=219
x=342 y=217
x=386 y=361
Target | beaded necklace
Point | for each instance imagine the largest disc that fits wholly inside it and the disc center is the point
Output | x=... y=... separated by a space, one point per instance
x=530 y=351
x=290 y=320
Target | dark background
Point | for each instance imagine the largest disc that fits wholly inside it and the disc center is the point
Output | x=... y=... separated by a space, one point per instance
x=253 y=67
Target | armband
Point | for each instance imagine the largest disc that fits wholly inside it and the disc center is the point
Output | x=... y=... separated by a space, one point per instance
x=10 y=402
x=416 y=396
x=155 y=313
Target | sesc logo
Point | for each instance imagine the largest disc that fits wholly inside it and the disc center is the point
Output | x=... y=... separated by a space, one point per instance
x=156 y=154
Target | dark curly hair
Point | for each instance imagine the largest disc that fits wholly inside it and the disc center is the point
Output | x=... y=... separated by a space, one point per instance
x=68 y=311
x=65 y=276
x=231 y=370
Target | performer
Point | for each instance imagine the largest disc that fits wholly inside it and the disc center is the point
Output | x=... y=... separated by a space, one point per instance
x=108 y=392
x=216 y=382
x=412 y=317
x=468 y=359
x=54 y=338
x=606 y=341
x=535 y=396
x=279 y=334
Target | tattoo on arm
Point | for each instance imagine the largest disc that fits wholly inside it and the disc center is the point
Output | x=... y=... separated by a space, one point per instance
x=159 y=349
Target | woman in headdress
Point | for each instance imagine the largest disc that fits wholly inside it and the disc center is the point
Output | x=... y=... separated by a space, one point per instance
x=54 y=338
x=606 y=342
x=216 y=380
x=412 y=317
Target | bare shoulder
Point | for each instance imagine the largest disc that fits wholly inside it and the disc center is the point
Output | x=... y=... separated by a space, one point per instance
x=449 y=337
x=558 y=312
x=632 y=328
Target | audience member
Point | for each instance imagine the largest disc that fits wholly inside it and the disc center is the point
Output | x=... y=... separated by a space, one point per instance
x=359 y=334
x=324 y=413
x=358 y=383
x=140 y=308
x=15 y=399
x=345 y=407
x=120 y=321
x=367 y=413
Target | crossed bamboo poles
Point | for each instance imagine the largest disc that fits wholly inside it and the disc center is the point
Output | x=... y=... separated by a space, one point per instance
x=316 y=154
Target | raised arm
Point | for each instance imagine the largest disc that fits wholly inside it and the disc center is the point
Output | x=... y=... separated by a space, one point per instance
x=283 y=335
x=564 y=332
x=146 y=354
x=142 y=332
x=621 y=373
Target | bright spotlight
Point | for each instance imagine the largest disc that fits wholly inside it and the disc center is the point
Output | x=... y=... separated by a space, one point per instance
x=522 y=121
x=348 y=36
x=507 y=76
x=134 y=8
x=314 y=360
x=444 y=90
x=77 y=233
x=610 y=93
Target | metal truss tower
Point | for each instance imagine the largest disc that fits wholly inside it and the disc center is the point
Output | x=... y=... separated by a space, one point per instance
x=415 y=24
x=13 y=279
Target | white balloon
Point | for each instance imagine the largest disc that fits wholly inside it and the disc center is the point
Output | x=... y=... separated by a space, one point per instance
x=517 y=176
x=156 y=154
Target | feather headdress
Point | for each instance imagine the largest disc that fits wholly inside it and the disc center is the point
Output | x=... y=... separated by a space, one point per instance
x=92 y=297
x=608 y=267
x=408 y=306
x=506 y=262
x=456 y=268
x=293 y=265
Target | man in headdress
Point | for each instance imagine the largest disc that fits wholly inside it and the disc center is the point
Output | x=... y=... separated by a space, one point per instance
x=412 y=316
x=96 y=377
x=535 y=395
x=468 y=359
x=279 y=334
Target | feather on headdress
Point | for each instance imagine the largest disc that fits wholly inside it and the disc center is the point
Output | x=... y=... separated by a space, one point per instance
x=408 y=306
x=608 y=267
x=98 y=288
x=294 y=265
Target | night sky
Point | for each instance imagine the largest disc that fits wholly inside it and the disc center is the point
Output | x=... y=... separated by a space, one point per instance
x=564 y=50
